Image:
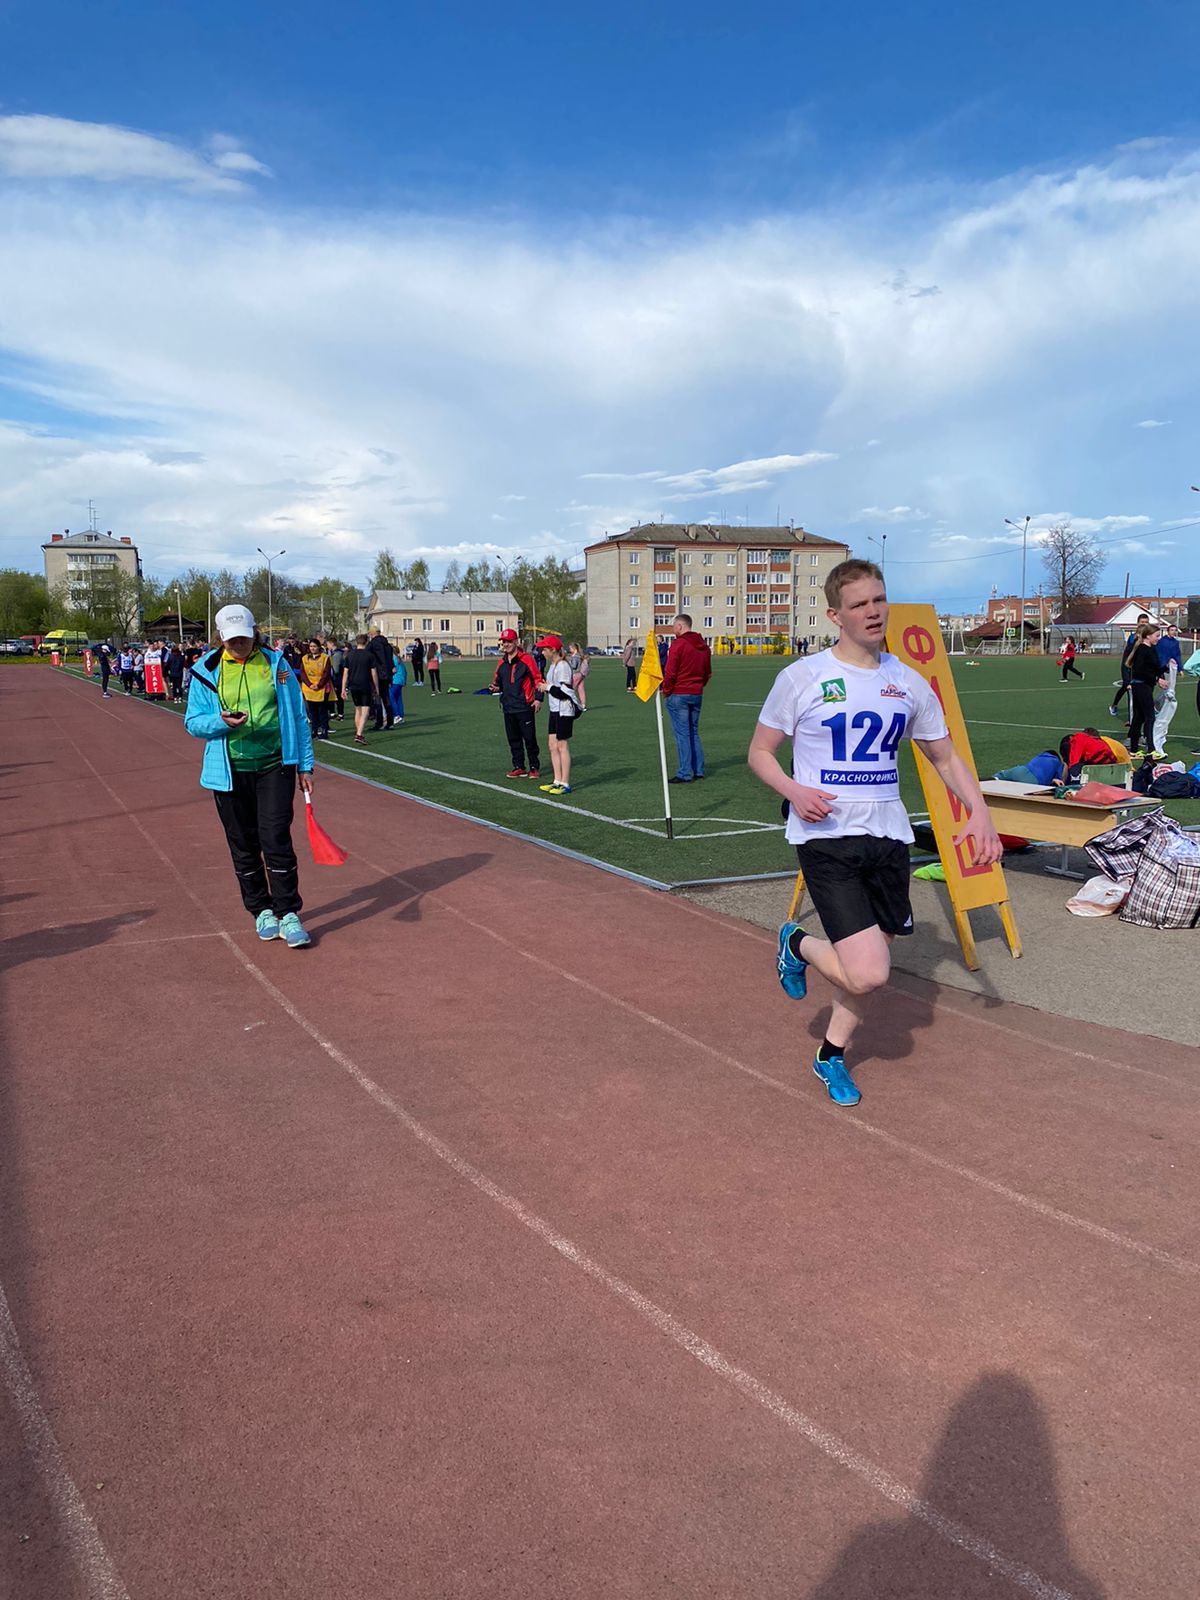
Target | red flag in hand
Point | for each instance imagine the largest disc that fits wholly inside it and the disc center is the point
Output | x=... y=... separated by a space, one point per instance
x=324 y=852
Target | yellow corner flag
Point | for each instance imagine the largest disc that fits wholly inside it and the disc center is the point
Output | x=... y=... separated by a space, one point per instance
x=650 y=675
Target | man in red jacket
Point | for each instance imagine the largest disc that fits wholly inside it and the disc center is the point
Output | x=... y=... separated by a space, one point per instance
x=521 y=689
x=688 y=669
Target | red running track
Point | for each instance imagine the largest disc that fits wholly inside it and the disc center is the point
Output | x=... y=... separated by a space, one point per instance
x=503 y=1243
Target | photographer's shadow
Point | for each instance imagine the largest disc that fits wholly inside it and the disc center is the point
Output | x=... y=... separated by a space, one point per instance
x=987 y=1520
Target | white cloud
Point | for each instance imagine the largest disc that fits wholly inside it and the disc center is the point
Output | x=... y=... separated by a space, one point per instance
x=1151 y=423
x=893 y=514
x=347 y=381
x=38 y=147
x=740 y=478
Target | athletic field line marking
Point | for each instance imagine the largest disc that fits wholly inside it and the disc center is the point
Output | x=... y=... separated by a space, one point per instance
x=830 y=1445
x=1041 y=1208
x=537 y=800
x=79 y=1532
x=664 y=1323
x=760 y=936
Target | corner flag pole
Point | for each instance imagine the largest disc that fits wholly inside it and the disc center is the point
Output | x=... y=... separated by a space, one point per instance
x=662 y=757
x=649 y=687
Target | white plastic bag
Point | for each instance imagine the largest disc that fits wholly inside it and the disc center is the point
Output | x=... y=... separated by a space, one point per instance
x=1099 y=897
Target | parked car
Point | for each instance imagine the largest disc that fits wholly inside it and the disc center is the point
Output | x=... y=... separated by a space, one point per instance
x=613 y=650
x=592 y=650
x=491 y=650
x=450 y=650
x=12 y=647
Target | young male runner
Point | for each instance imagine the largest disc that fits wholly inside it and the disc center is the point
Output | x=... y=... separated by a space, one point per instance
x=846 y=710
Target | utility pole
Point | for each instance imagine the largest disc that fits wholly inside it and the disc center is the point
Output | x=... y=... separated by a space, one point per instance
x=1024 y=531
x=179 y=615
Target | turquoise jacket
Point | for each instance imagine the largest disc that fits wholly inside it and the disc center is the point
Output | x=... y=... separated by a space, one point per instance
x=202 y=720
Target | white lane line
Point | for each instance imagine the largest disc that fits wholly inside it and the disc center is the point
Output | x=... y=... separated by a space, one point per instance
x=759 y=936
x=843 y=1119
x=517 y=793
x=669 y=1326
x=79 y=1532
x=830 y=1445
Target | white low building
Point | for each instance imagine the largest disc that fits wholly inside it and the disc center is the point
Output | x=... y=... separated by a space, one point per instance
x=469 y=622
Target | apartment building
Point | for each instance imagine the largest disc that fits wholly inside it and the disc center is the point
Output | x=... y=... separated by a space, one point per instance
x=77 y=560
x=742 y=583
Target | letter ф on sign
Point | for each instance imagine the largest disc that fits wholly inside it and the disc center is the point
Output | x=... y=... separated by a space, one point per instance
x=914 y=637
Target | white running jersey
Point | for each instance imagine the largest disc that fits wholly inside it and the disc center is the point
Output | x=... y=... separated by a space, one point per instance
x=846 y=724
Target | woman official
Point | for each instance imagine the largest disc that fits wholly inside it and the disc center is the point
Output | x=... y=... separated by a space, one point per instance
x=245 y=703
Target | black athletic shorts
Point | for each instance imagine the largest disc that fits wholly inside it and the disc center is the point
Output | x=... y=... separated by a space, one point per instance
x=362 y=697
x=857 y=882
x=561 y=727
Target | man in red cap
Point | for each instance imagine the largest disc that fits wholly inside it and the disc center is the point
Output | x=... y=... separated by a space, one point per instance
x=521 y=689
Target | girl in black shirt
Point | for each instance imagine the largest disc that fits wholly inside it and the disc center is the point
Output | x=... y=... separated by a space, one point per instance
x=1145 y=671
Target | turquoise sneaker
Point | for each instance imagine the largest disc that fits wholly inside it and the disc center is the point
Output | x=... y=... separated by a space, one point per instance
x=843 y=1090
x=267 y=925
x=292 y=929
x=792 y=970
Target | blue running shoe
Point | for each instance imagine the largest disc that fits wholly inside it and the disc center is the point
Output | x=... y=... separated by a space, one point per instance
x=292 y=929
x=267 y=925
x=843 y=1090
x=792 y=969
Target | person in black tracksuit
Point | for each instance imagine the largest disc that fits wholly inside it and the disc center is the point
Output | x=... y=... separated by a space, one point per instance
x=418 y=661
x=1145 y=673
x=381 y=659
x=521 y=689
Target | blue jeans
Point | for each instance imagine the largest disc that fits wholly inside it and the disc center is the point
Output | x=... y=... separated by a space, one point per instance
x=684 y=712
x=396 y=697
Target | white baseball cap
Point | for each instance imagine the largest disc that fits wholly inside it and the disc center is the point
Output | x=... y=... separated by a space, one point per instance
x=235 y=622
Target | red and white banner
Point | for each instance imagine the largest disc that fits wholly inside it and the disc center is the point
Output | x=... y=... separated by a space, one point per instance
x=87 y=662
x=155 y=682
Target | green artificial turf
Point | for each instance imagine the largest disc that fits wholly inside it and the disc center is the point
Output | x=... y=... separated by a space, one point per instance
x=451 y=750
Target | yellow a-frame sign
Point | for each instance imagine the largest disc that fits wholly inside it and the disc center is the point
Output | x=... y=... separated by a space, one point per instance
x=915 y=637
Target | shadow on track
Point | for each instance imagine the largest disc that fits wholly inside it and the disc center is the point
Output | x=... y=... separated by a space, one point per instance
x=46 y=943
x=398 y=892
x=993 y=1473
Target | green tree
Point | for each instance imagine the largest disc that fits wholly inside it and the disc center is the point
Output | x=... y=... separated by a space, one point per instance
x=415 y=576
x=334 y=601
x=272 y=604
x=549 y=598
x=104 y=603
x=24 y=603
x=482 y=578
x=386 y=573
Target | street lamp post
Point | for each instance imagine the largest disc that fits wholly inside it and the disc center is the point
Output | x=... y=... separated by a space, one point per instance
x=179 y=614
x=504 y=566
x=270 y=596
x=881 y=544
x=1024 y=532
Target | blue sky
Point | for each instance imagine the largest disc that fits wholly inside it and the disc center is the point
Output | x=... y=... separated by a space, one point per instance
x=326 y=278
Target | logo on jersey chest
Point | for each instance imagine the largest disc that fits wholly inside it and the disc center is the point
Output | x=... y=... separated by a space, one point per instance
x=833 y=689
x=890 y=691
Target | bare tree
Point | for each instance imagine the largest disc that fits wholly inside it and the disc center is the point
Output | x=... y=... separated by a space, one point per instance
x=1073 y=565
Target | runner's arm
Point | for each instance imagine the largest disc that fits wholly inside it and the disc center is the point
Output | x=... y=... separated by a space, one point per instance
x=814 y=805
x=961 y=781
